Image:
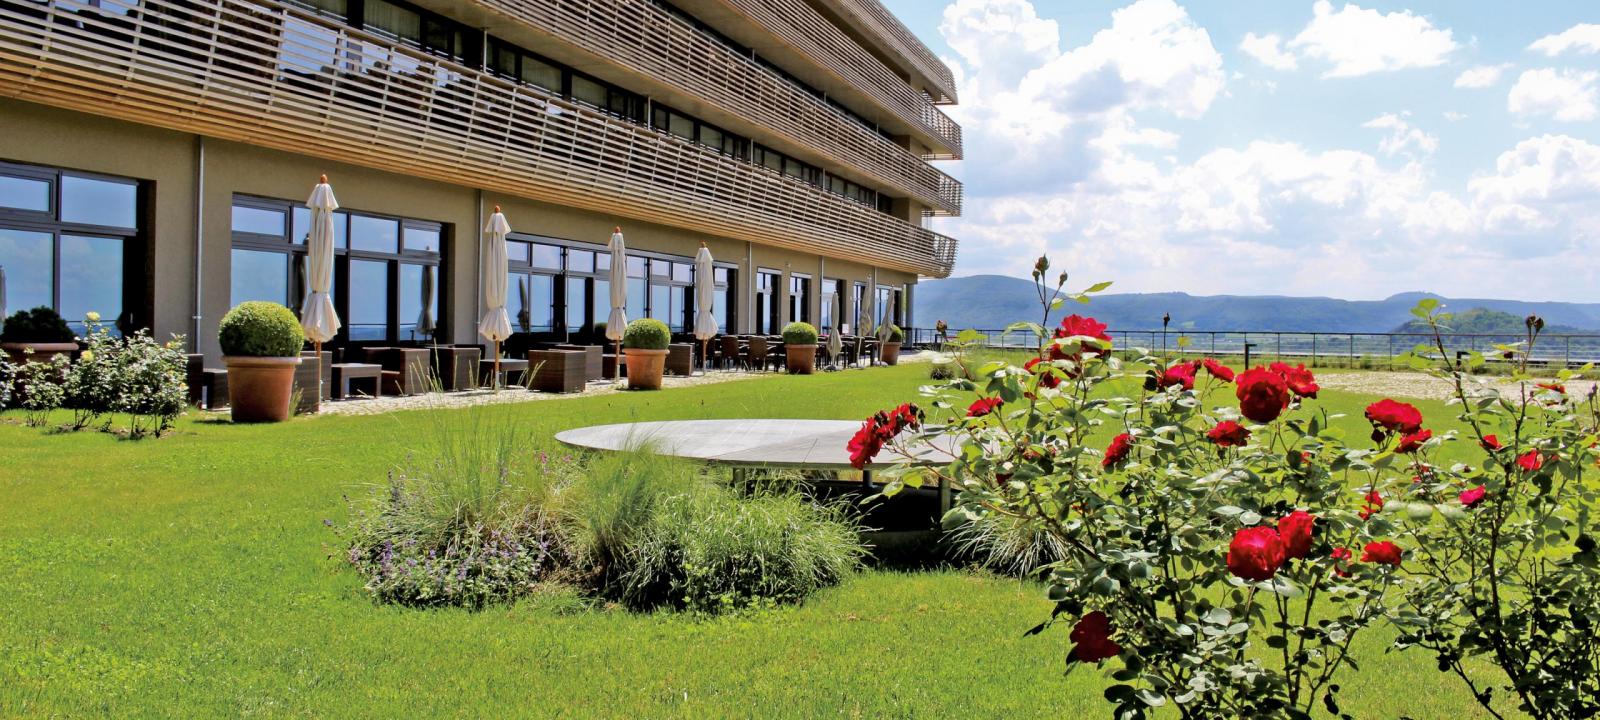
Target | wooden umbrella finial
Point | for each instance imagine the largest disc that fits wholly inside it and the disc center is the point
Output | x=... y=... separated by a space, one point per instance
x=324 y=179
x=616 y=228
x=702 y=243
x=497 y=208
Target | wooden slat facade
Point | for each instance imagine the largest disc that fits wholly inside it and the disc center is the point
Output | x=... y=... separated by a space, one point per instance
x=797 y=24
x=887 y=30
x=642 y=37
x=267 y=74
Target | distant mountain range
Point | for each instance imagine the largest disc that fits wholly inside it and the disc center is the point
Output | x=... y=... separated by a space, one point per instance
x=994 y=301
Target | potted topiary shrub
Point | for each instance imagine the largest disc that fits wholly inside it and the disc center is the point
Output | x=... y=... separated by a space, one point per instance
x=800 y=347
x=644 y=343
x=891 y=347
x=261 y=344
x=36 y=335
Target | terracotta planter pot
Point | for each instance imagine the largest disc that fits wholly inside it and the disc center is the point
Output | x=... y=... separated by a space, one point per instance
x=891 y=353
x=644 y=368
x=801 y=359
x=260 y=389
x=42 y=352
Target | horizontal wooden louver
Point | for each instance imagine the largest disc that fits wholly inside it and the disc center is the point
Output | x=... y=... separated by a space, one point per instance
x=270 y=75
x=888 y=30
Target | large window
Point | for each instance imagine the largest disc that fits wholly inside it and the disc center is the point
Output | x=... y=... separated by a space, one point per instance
x=799 y=297
x=72 y=242
x=862 y=325
x=832 y=295
x=889 y=308
x=386 y=279
x=767 y=301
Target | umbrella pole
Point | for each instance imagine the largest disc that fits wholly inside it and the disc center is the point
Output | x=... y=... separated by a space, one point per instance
x=316 y=347
x=705 y=360
x=494 y=382
x=616 y=367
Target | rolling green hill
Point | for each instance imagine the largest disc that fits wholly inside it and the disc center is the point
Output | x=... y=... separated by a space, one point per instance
x=1481 y=320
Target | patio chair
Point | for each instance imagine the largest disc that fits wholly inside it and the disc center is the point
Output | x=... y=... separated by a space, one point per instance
x=405 y=370
x=730 y=351
x=777 y=355
x=755 y=354
x=680 y=359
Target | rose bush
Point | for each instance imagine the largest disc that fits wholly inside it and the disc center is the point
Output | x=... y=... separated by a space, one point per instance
x=1203 y=548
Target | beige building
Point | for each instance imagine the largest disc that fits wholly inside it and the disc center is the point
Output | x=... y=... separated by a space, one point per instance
x=155 y=156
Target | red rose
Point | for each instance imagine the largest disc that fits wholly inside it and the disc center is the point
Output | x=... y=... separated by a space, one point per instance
x=1218 y=370
x=982 y=407
x=1091 y=638
x=1384 y=552
x=1117 y=451
x=1471 y=498
x=1298 y=378
x=1413 y=442
x=1262 y=394
x=1341 y=558
x=1531 y=461
x=1374 y=504
x=1491 y=443
x=864 y=445
x=1078 y=326
x=1045 y=379
x=1394 y=416
x=1255 y=554
x=879 y=429
x=1180 y=374
x=1229 y=434
x=1295 y=530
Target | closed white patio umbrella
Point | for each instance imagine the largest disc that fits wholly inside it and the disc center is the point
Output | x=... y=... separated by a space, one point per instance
x=495 y=326
x=835 y=342
x=317 y=315
x=617 y=322
x=425 y=326
x=705 y=291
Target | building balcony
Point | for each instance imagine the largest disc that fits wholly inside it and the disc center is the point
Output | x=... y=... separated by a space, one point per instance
x=657 y=49
x=267 y=74
x=819 y=42
x=872 y=20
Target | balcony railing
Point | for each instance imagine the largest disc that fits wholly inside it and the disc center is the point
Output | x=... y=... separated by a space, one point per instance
x=646 y=39
x=951 y=191
x=805 y=30
x=888 y=30
x=270 y=75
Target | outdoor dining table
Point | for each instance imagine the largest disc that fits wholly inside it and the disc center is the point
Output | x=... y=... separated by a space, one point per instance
x=752 y=444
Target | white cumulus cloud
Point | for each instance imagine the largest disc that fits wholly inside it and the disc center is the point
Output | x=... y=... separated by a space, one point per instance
x=1360 y=41
x=1402 y=137
x=1566 y=95
x=1268 y=50
x=1480 y=76
x=1582 y=38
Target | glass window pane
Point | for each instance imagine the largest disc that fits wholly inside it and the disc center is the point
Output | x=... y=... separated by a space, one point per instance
x=374 y=234
x=660 y=304
x=541 y=73
x=660 y=268
x=260 y=275
x=532 y=301
x=682 y=272
x=394 y=20
x=636 y=297
x=422 y=239
x=503 y=60
x=719 y=309
x=100 y=202
x=711 y=137
x=517 y=252
x=91 y=278
x=24 y=193
x=260 y=221
x=681 y=126
x=601 y=298
x=577 y=303
x=546 y=256
x=635 y=266
x=588 y=91
x=719 y=275
x=369 y=300
x=580 y=261
x=28 y=258
x=602 y=261
x=414 y=297
x=300 y=225
x=341 y=230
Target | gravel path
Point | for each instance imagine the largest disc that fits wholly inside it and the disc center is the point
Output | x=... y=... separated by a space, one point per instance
x=1417 y=385
x=375 y=406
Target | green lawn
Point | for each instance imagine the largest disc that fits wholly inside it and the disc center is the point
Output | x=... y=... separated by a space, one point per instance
x=191 y=576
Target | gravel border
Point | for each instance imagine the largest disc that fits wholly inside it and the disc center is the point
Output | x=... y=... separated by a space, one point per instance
x=1420 y=386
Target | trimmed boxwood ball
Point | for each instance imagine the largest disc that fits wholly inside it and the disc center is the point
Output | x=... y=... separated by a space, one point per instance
x=896 y=334
x=800 y=333
x=260 y=329
x=646 y=334
x=39 y=325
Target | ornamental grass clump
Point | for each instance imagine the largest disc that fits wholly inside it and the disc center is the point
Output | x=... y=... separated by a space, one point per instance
x=709 y=551
x=1201 y=547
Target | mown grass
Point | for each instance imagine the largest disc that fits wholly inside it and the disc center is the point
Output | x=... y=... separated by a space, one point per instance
x=191 y=577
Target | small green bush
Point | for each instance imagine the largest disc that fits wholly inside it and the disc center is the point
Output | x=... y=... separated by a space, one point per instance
x=260 y=329
x=896 y=334
x=646 y=334
x=39 y=325
x=800 y=333
x=709 y=551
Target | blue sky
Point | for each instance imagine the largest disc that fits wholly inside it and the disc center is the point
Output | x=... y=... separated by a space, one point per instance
x=1307 y=148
